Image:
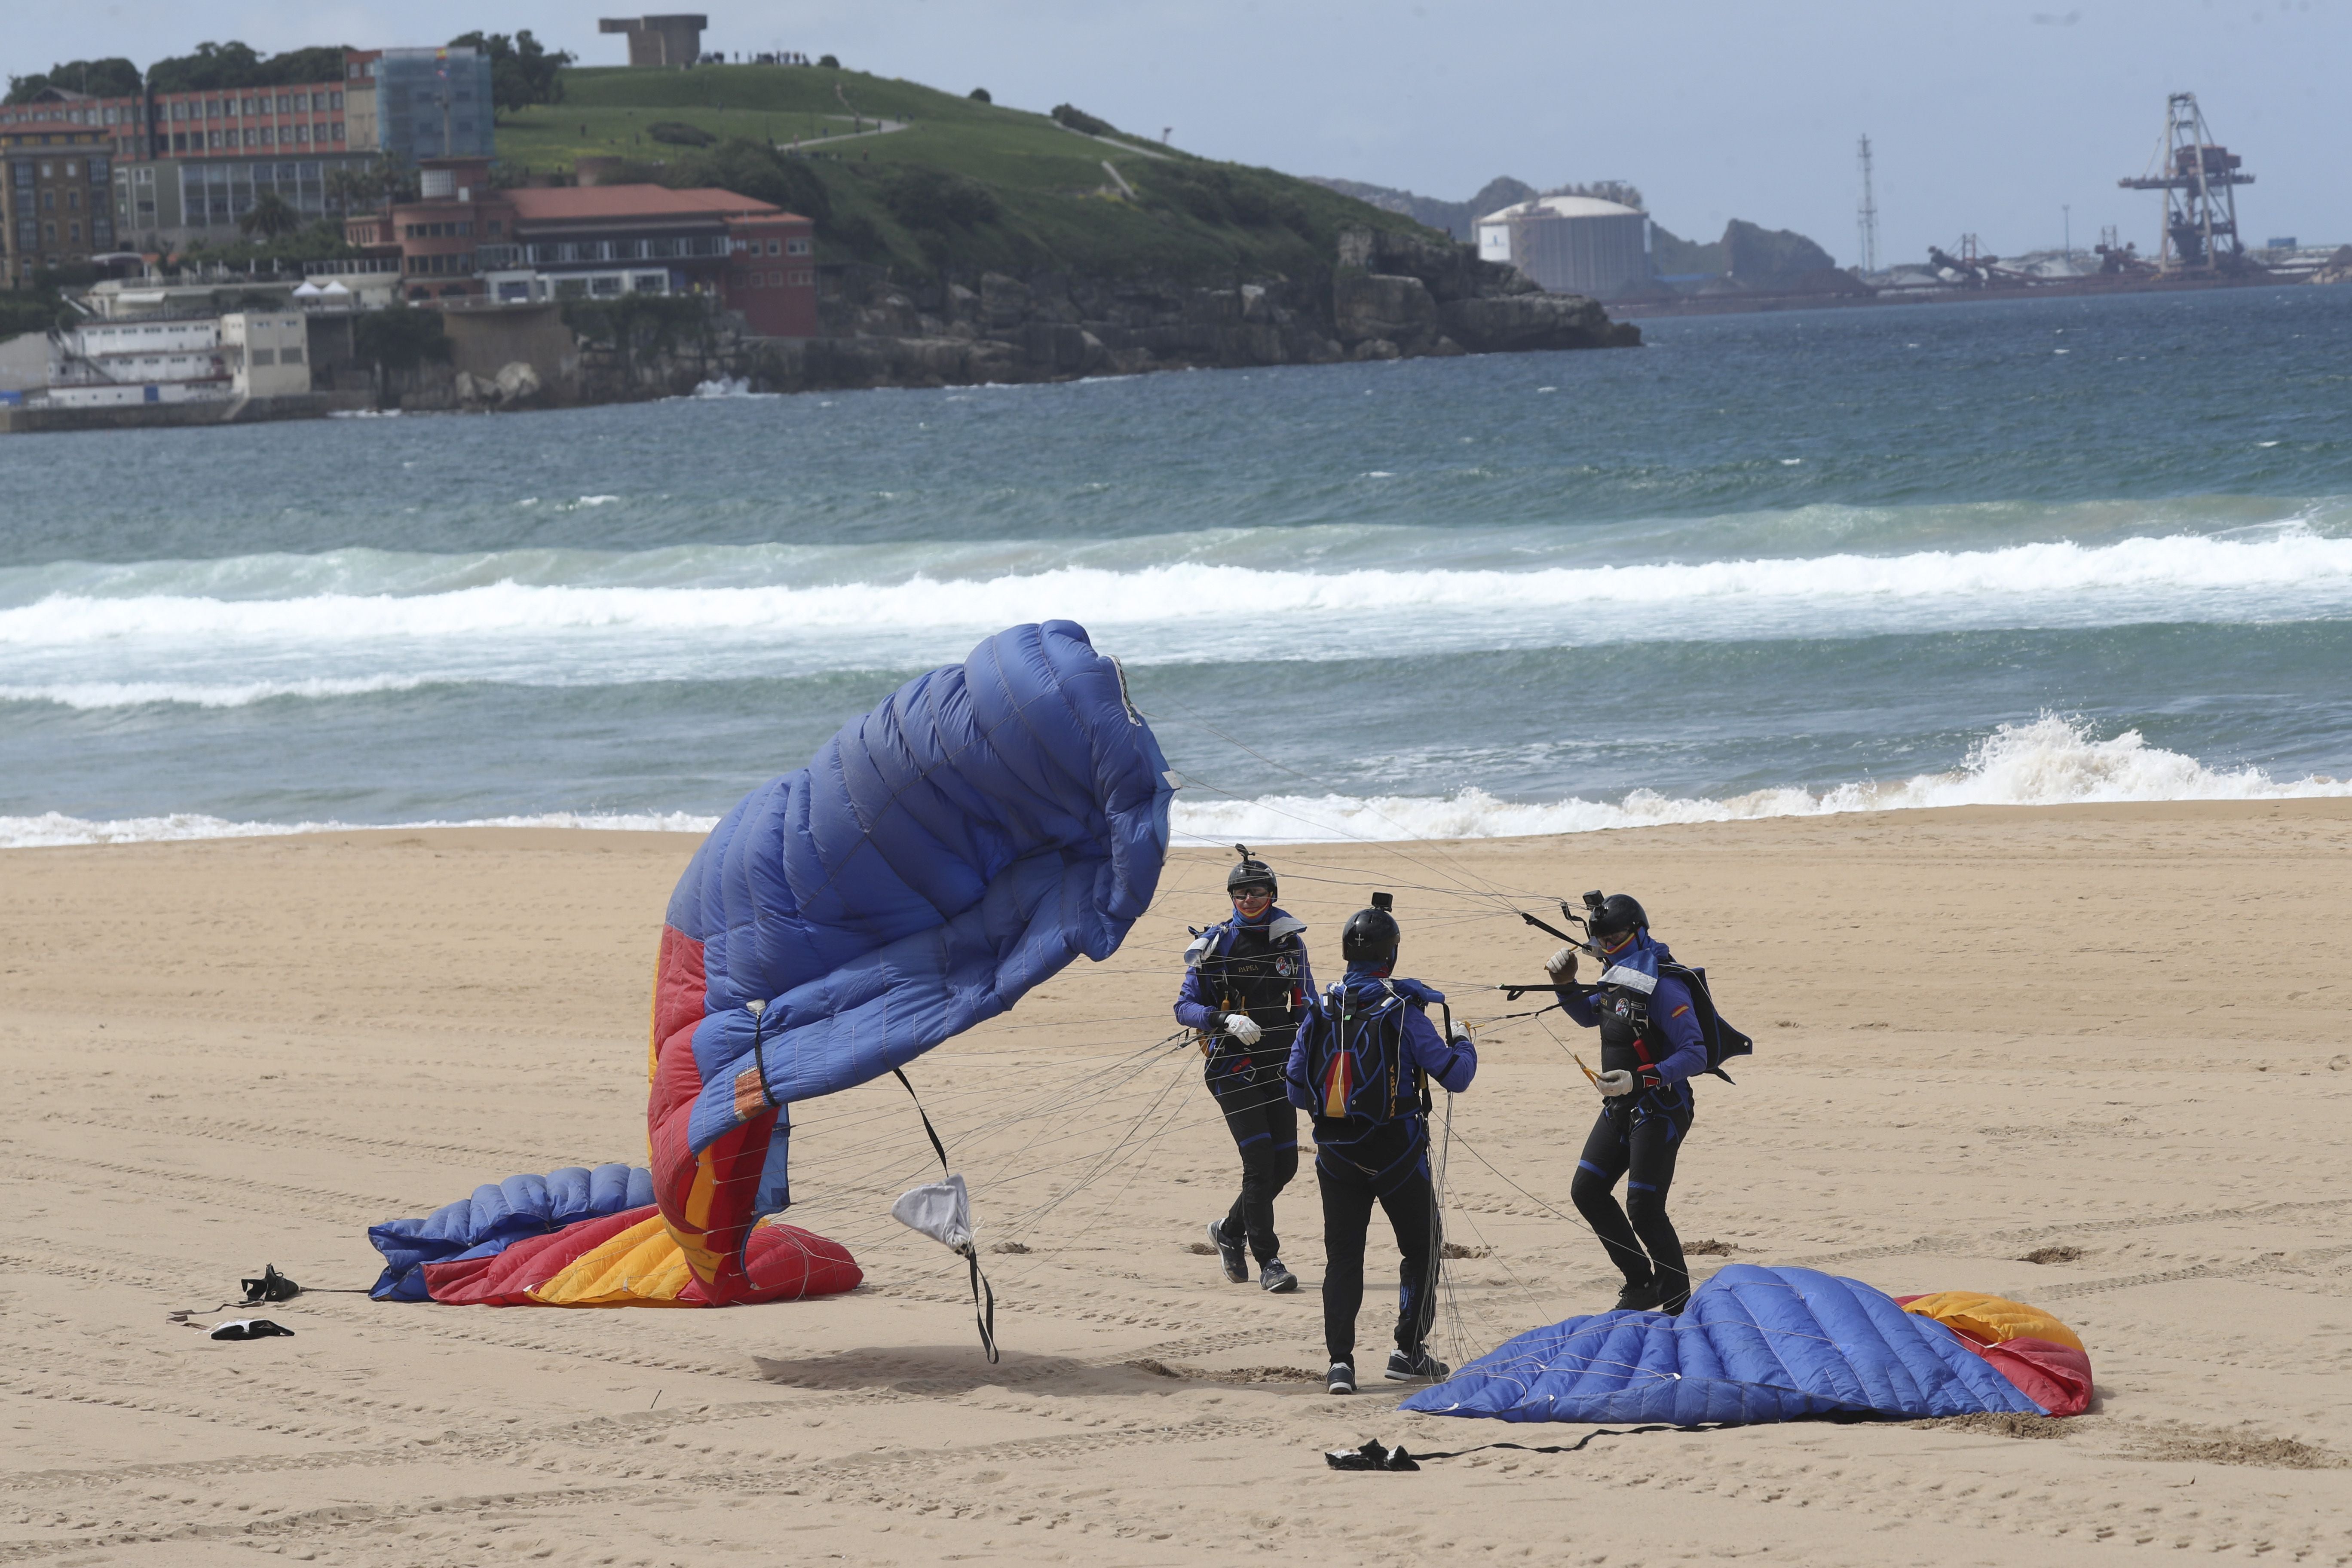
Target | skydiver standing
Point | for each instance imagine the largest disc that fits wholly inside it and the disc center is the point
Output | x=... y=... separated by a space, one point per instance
x=1245 y=987
x=1652 y=1041
x=1361 y=1065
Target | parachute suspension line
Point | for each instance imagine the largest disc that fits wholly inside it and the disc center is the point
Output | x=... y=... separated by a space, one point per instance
x=985 y=1318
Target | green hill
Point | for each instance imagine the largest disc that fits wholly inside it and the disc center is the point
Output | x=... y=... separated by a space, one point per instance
x=965 y=187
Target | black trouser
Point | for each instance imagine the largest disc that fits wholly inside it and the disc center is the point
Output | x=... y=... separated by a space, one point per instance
x=1265 y=1126
x=1348 y=1199
x=1639 y=1143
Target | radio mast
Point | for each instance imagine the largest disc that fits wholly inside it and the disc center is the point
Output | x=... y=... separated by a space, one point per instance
x=1865 y=218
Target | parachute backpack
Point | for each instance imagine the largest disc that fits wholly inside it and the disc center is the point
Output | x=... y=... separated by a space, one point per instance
x=1632 y=987
x=1355 y=1054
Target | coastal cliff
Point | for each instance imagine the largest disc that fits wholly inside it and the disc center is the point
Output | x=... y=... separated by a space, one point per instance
x=1388 y=295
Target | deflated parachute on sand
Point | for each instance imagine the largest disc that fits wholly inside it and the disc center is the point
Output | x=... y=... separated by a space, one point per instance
x=1773 y=1344
x=961 y=843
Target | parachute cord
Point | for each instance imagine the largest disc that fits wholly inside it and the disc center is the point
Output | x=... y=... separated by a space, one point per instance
x=983 y=1317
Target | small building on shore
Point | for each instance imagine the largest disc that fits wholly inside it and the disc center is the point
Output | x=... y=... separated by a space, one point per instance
x=1571 y=244
x=467 y=243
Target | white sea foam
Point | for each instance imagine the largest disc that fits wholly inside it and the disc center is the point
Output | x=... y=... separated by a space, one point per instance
x=52 y=829
x=724 y=386
x=2051 y=761
x=2291 y=572
x=95 y=694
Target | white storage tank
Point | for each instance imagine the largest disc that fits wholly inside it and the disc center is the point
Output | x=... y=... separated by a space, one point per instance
x=1571 y=245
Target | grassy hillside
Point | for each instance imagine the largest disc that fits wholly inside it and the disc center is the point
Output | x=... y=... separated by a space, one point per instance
x=966 y=187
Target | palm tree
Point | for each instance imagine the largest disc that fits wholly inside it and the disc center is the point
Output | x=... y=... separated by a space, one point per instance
x=270 y=216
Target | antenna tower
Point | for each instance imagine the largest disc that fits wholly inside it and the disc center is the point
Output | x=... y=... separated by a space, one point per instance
x=1865 y=218
x=2199 y=178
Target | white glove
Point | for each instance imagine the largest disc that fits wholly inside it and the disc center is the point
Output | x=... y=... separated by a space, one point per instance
x=1561 y=965
x=1462 y=1036
x=1243 y=1027
x=1612 y=1084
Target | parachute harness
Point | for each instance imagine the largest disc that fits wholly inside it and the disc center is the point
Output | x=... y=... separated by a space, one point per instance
x=984 y=1317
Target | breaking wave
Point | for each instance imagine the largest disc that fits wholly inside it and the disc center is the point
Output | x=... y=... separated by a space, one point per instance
x=2051 y=761
x=1192 y=609
x=97 y=694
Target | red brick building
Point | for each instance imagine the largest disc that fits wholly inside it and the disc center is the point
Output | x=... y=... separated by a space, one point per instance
x=464 y=238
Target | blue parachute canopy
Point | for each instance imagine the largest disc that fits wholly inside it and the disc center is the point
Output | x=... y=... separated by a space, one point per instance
x=499 y=1215
x=1755 y=1344
x=986 y=825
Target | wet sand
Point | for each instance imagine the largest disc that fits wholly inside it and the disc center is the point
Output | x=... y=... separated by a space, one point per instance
x=1983 y=1033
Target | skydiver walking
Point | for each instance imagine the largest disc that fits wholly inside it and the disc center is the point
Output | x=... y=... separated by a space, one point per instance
x=1245 y=987
x=1652 y=1041
x=1361 y=1065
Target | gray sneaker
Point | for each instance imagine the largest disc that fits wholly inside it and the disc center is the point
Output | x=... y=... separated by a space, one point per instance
x=1419 y=1367
x=1229 y=1253
x=1340 y=1379
x=1275 y=1280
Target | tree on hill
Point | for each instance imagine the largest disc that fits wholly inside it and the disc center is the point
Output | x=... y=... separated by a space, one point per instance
x=1077 y=119
x=401 y=339
x=752 y=169
x=114 y=78
x=523 y=71
x=223 y=68
x=270 y=216
x=1619 y=190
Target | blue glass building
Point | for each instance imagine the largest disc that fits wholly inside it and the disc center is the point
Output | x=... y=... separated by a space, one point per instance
x=434 y=103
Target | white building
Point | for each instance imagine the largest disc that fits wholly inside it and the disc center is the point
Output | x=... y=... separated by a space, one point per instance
x=267 y=355
x=1571 y=245
x=106 y=365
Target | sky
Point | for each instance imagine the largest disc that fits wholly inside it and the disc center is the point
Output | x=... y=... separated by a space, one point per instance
x=1992 y=119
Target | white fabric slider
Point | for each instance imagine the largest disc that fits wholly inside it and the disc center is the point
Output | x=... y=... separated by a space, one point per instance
x=941 y=1210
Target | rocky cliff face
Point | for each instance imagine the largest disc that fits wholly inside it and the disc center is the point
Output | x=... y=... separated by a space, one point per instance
x=1389 y=296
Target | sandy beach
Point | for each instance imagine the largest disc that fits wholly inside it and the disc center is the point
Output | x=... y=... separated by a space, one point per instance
x=2116 y=1035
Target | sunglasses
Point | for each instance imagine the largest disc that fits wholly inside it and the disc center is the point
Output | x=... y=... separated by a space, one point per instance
x=1252 y=895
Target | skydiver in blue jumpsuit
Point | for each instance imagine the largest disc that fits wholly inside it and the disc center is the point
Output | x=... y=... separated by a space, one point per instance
x=1246 y=988
x=1650 y=1044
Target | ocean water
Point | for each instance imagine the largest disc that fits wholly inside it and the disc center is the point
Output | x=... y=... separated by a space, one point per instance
x=2032 y=551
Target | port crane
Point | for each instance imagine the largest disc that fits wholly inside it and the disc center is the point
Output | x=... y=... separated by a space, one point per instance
x=2199 y=178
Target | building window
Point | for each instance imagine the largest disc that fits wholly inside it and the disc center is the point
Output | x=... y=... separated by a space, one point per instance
x=339 y=130
x=796 y=247
x=335 y=100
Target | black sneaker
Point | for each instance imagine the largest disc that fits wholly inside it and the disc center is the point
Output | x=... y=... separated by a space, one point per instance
x=1642 y=1297
x=1673 y=1305
x=1275 y=1280
x=1229 y=1253
x=1340 y=1379
x=1419 y=1367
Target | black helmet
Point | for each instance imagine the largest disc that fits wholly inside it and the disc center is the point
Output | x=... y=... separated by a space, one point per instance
x=1614 y=915
x=1250 y=873
x=1371 y=935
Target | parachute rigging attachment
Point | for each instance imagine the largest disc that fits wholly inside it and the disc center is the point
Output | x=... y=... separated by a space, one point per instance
x=926 y=1203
